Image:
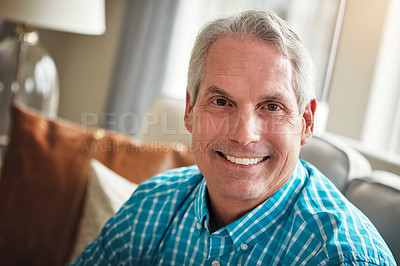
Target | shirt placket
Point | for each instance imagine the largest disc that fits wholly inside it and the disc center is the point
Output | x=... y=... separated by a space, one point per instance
x=220 y=244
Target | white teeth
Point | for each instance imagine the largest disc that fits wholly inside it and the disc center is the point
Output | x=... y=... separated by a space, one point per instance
x=244 y=161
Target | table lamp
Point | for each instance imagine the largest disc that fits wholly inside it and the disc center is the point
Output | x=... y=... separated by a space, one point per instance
x=27 y=72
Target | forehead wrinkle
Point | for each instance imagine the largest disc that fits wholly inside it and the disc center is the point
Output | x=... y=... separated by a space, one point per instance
x=237 y=71
x=271 y=75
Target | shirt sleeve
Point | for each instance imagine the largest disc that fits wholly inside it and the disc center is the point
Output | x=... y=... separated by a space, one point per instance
x=136 y=234
x=94 y=254
x=113 y=245
x=125 y=236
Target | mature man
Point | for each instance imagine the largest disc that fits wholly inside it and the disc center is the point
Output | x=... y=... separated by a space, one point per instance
x=249 y=201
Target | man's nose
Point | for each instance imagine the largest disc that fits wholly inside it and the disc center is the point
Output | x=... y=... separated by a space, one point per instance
x=244 y=127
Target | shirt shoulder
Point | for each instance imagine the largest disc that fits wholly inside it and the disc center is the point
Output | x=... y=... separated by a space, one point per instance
x=164 y=194
x=346 y=234
x=184 y=178
x=137 y=230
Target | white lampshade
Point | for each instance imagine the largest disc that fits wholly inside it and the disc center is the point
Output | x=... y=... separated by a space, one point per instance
x=76 y=16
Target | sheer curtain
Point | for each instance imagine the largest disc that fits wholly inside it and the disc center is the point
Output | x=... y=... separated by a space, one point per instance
x=141 y=61
x=382 y=119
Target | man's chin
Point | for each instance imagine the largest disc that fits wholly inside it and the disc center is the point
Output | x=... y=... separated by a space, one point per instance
x=243 y=188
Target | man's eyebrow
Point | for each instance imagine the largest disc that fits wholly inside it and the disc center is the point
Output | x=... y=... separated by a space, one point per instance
x=279 y=97
x=215 y=90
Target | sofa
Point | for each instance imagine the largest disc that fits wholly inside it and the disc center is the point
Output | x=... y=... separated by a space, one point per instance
x=61 y=181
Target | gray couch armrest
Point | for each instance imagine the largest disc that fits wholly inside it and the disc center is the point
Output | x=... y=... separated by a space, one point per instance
x=378 y=197
x=337 y=160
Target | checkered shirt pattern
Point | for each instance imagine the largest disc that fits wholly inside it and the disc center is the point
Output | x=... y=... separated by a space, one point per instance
x=307 y=222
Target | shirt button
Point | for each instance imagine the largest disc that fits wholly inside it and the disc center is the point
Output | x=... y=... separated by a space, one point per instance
x=198 y=226
x=215 y=263
x=243 y=246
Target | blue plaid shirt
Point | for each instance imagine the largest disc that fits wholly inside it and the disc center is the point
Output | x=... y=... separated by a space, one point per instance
x=308 y=221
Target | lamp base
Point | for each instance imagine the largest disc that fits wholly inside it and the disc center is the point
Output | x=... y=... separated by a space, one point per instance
x=27 y=75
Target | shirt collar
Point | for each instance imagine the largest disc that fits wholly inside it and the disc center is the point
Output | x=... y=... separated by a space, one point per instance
x=250 y=228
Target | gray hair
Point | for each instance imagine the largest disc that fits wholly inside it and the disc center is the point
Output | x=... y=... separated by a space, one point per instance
x=262 y=25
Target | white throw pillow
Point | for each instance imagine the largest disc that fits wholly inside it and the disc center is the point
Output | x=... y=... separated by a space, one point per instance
x=107 y=192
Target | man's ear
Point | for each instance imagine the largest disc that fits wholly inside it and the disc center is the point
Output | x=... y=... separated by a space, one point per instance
x=189 y=113
x=308 y=121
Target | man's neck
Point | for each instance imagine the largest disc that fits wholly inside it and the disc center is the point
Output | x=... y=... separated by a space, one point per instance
x=223 y=211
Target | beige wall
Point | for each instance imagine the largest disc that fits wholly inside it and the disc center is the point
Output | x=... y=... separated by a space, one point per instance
x=353 y=73
x=85 y=64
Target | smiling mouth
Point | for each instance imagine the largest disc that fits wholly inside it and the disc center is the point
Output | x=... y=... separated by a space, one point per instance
x=243 y=161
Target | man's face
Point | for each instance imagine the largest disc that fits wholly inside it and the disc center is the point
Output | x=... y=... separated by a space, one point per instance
x=246 y=127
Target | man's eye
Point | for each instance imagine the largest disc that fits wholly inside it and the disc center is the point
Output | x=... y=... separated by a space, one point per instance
x=272 y=107
x=220 y=102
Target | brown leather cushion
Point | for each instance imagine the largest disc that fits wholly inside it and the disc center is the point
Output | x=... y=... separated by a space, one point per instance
x=138 y=161
x=44 y=179
x=42 y=185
